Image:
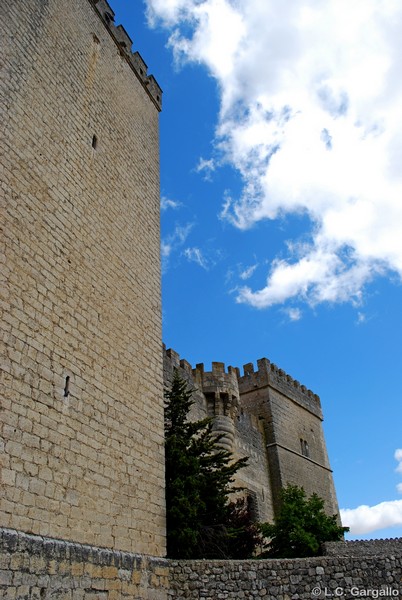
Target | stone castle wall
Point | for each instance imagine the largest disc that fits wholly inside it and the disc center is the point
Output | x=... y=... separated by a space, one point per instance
x=270 y=418
x=387 y=547
x=39 y=568
x=81 y=309
x=248 y=435
x=374 y=576
x=292 y=419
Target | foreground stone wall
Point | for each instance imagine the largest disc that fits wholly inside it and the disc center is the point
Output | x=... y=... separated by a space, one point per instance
x=374 y=576
x=34 y=568
x=364 y=548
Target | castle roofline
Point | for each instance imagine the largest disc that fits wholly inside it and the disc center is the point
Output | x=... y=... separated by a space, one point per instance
x=267 y=374
x=124 y=44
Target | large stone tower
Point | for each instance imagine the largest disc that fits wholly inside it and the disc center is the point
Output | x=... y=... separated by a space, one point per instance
x=292 y=418
x=82 y=388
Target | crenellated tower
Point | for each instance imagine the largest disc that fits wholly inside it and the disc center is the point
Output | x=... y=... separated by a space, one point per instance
x=222 y=398
x=292 y=418
x=270 y=417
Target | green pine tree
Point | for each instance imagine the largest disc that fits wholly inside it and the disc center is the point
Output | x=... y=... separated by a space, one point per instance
x=199 y=481
x=301 y=526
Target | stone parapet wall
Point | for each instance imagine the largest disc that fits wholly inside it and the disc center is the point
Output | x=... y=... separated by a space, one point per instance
x=35 y=567
x=301 y=579
x=365 y=547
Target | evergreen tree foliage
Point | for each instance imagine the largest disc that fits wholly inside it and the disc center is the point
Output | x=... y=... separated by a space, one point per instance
x=199 y=480
x=301 y=526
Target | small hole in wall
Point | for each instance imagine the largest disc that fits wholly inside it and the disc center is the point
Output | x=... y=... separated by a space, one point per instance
x=42 y=592
x=67 y=387
x=94 y=142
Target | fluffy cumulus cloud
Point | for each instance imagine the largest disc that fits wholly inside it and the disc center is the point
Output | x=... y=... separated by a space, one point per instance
x=311 y=118
x=365 y=519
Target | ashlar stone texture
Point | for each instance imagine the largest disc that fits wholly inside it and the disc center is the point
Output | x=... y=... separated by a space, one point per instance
x=292 y=419
x=35 y=567
x=82 y=389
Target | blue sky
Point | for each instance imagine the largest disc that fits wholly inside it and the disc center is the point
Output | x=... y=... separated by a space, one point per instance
x=281 y=197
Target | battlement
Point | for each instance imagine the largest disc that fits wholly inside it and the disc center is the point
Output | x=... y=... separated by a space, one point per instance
x=232 y=382
x=268 y=374
x=176 y=361
x=217 y=380
x=124 y=43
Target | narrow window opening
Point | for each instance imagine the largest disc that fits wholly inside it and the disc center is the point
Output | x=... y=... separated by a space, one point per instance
x=225 y=404
x=210 y=398
x=67 y=387
x=305 y=450
x=94 y=142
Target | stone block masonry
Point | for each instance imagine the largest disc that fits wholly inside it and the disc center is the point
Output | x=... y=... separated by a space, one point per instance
x=82 y=505
x=82 y=394
x=36 y=568
x=374 y=574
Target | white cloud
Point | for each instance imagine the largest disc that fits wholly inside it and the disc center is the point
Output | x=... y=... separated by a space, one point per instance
x=196 y=255
x=361 y=318
x=247 y=272
x=168 y=203
x=173 y=242
x=294 y=314
x=311 y=118
x=207 y=167
x=398 y=458
x=365 y=519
